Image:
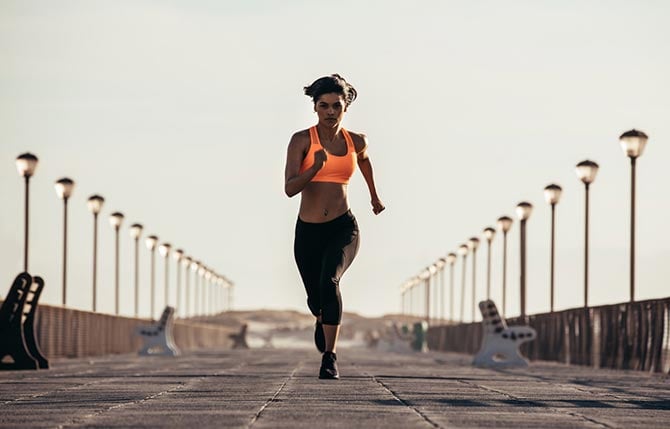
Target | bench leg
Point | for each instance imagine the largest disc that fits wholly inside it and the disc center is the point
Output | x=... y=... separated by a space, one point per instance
x=14 y=346
x=31 y=343
x=499 y=352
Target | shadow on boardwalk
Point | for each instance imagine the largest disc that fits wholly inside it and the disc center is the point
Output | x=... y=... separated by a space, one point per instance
x=278 y=388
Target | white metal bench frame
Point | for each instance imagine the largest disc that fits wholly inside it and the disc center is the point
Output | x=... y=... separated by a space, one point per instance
x=500 y=343
x=157 y=337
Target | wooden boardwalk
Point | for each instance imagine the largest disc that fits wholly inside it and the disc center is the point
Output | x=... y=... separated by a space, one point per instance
x=278 y=388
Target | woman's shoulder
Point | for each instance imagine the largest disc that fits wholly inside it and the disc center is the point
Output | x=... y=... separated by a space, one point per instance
x=301 y=136
x=360 y=140
x=300 y=141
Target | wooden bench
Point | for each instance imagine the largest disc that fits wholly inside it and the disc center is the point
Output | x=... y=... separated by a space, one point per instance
x=157 y=337
x=500 y=343
x=18 y=344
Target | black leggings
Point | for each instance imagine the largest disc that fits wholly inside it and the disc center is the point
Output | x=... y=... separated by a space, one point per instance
x=323 y=252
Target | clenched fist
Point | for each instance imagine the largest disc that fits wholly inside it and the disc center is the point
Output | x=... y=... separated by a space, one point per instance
x=377 y=206
x=320 y=158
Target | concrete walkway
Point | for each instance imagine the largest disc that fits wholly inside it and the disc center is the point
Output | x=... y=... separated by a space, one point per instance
x=270 y=388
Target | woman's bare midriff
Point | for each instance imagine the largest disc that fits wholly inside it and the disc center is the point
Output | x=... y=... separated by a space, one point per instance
x=322 y=202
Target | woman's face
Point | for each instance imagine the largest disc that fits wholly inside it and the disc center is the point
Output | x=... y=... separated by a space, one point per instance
x=330 y=108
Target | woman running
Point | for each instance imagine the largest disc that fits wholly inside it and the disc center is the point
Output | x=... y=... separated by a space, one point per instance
x=319 y=163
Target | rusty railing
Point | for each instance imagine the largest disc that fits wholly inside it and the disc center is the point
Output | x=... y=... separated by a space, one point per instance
x=621 y=336
x=64 y=332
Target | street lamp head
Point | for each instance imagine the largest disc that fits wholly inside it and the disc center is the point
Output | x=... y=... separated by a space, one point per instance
x=586 y=171
x=26 y=164
x=151 y=241
x=64 y=188
x=473 y=243
x=116 y=219
x=201 y=269
x=186 y=261
x=425 y=274
x=432 y=269
x=95 y=203
x=489 y=233
x=633 y=143
x=505 y=223
x=552 y=193
x=136 y=231
x=177 y=255
x=440 y=263
x=463 y=249
x=523 y=210
x=451 y=258
x=164 y=249
x=208 y=274
x=195 y=265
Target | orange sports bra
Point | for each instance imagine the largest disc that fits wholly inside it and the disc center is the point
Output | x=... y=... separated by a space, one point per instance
x=337 y=169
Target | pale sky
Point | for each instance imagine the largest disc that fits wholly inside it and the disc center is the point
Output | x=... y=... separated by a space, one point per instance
x=179 y=114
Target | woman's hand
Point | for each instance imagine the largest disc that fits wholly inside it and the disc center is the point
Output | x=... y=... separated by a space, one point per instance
x=377 y=206
x=320 y=159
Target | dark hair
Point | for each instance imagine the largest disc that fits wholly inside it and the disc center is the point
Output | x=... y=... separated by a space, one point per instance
x=329 y=84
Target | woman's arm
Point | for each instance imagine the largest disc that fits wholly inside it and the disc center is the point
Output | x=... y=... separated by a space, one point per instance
x=294 y=182
x=365 y=165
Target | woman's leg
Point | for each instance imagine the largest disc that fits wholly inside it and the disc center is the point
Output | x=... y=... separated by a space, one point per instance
x=308 y=252
x=331 y=332
x=338 y=256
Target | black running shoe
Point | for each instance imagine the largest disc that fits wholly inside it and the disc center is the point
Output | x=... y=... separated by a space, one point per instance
x=319 y=337
x=328 y=369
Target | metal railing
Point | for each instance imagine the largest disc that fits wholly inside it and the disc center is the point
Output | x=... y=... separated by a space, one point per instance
x=64 y=332
x=631 y=335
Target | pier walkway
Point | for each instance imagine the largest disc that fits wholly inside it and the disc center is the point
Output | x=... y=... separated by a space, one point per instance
x=278 y=388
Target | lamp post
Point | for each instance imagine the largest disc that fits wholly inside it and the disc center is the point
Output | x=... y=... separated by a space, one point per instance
x=115 y=220
x=440 y=264
x=231 y=285
x=425 y=277
x=186 y=262
x=135 y=233
x=195 y=267
x=489 y=233
x=206 y=291
x=201 y=282
x=552 y=194
x=586 y=171
x=463 y=251
x=632 y=143
x=150 y=242
x=178 y=255
x=94 y=204
x=432 y=270
x=504 y=225
x=523 y=211
x=164 y=251
x=216 y=281
x=222 y=284
x=409 y=292
x=451 y=260
x=26 y=164
x=64 y=188
x=417 y=298
x=473 y=244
